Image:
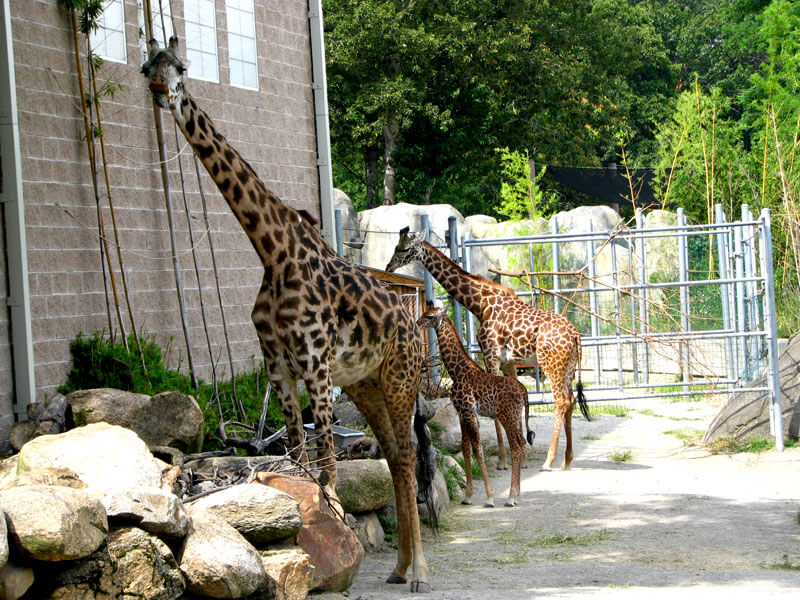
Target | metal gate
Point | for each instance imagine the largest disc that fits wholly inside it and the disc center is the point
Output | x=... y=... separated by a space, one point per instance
x=673 y=311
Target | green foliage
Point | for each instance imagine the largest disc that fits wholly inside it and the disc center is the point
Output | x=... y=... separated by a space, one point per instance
x=621 y=456
x=521 y=196
x=98 y=362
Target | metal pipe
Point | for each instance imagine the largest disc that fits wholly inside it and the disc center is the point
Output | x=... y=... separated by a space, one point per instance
x=452 y=228
x=776 y=413
x=319 y=86
x=722 y=258
x=556 y=265
x=339 y=240
x=427 y=278
x=683 y=294
x=13 y=202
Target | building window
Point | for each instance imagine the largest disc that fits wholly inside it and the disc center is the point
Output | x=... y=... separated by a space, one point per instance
x=108 y=40
x=162 y=24
x=201 y=39
x=242 y=43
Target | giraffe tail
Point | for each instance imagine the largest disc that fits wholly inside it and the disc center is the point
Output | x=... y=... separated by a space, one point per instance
x=426 y=466
x=582 y=404
x=531 y=434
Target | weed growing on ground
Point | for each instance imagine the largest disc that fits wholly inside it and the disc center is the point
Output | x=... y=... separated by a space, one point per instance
x=786 y=565
x=689 y=437
x=511 y=537
x=756 y=444
x=591 y=438
x=621 y=456
x=616 y=411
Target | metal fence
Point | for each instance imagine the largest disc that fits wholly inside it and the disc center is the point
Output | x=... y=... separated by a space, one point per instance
x=670 y=311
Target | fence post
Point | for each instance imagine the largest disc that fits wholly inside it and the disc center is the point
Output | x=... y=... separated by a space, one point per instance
x=556 y=265
x=452 y=229
x=751 y=299
x=617 y=312
x=430 y=297
x=722 y=258
x=741 y=346
x=776 y=415
x=683 y=294
x=593 y=309
x=644 y=309
x=337 y=219
x=466 y=252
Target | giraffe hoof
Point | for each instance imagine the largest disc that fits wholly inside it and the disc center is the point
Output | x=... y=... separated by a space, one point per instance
x=511 y=503
x=489 y=505
x=420 y=587
x=467 y=502
x=545 y=468
x=396 y=579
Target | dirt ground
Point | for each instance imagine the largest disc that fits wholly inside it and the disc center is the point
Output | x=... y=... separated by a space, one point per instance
x=674 y=521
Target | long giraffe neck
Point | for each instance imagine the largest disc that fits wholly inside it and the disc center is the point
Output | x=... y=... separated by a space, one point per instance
x=468 y=289
x=455 y=358
x=268 y=222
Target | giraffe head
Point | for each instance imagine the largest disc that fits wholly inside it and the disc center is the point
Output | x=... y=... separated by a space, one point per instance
x=432 y=317
x=164 y=72
x=408 y=249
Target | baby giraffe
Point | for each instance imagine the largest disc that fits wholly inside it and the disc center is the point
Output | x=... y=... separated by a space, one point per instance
x=476 y=392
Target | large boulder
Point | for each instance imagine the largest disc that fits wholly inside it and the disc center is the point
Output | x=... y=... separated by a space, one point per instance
x=370 y=532
x=107 y=458
x=52 y=523
x=217 y=561
x=290 y=573
x=746 y=415
x=132 y=564
x=260 y=513
x=333 y=547
x=364 y=485
x=380 y=226
x=154 y=510
x=166 y=419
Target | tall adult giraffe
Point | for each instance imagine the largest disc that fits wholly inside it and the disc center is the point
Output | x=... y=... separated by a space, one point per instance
x=511 y=332
x=319 y=318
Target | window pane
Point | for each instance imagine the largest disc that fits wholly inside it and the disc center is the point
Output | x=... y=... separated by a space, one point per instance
x=201 y=39
x=108 y=40
x=240 y=16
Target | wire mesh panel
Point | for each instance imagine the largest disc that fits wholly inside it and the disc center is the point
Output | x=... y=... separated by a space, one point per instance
x=670 y=310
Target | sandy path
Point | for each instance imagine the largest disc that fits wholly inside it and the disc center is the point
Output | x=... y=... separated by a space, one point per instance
x=673 y=522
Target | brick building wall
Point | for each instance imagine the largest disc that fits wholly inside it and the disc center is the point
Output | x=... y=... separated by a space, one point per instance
x=273 y=128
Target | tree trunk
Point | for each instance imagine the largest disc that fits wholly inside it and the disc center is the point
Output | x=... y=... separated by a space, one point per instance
x=371 y=168
x=390 y=131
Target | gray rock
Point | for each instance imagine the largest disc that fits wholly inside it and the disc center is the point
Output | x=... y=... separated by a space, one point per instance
x=50 y=476
x=370 y=532
x=15 y=581
x=52 y=523
x=348 y=415
x=260 y=513
x=133 y=564
x=167 y=419
x=155 y=510
x=290 y=573
x=108 y=458
x=20 y=434
x=3 y=539
x=447 y=429
x=8 y=472
x=364 y=485
x=746 y=415
x=451 y=470
x=144 y=566
x=217 y=561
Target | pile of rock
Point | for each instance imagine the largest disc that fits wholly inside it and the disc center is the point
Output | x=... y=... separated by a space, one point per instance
x=92 y=513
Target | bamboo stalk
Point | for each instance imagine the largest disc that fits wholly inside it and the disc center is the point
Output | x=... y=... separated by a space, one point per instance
x=105 y=258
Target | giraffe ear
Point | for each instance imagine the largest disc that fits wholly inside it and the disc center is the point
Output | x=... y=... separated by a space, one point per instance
x=404 y=231
x=173 y=43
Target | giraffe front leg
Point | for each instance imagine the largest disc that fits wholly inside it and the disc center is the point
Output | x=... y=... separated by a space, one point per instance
x=289 y=401
x=320 y=395
x=466 y=450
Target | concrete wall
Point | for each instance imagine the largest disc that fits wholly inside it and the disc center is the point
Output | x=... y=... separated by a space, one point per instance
x=273 y=128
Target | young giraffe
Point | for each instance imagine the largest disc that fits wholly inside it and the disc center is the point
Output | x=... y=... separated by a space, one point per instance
x=476 y=392
x=319 y=318
x=511 y=332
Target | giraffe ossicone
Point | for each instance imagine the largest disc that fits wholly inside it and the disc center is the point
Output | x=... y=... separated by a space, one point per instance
x=319 y=318
x=511 y=333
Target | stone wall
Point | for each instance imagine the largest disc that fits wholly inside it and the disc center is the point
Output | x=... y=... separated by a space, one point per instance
x=273 y=128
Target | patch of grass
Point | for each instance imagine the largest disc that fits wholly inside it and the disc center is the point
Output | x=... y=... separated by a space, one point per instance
x=727 y=445
x=389 y=525
x=513 y=558
x=455 y=480
x=511 y=537
x=786 y=565
x=616 y=411
x=689 y=437
x=649 y=412
x=475 y=467
x=567 y=540
x=436 y=427
x=621 y=456
x=591 y=438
